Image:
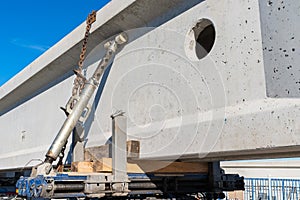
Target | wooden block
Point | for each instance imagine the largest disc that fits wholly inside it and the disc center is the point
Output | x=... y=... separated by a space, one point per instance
x=82 y=167
x=236 y=195
x=105 y=165
x=172 y=167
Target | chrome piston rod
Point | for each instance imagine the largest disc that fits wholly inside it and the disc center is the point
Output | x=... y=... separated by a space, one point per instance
x=86 y=94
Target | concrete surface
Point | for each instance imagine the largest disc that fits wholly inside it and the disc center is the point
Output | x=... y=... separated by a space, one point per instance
x=224 y=106
x=289 y=169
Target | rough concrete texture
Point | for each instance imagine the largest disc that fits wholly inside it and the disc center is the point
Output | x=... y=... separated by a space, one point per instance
x=222 y=106
x=280 y=35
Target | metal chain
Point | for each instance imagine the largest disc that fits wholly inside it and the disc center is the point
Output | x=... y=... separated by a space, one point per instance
x=79 y=81
x=60 y=164
x=80 y=78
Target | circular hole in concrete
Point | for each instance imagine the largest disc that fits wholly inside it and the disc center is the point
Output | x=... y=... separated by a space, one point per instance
x=205 y=40
x=201 y=39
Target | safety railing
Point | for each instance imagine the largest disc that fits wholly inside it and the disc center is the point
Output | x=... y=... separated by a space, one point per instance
x=271 y=189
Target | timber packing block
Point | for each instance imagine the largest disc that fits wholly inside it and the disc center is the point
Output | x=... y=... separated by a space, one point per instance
x=105 y=165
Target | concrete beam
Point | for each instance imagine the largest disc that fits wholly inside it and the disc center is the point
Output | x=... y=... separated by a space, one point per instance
x=264 y=168
x=56 y=64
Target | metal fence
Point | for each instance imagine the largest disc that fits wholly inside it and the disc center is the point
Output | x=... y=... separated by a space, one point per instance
x=271 y=189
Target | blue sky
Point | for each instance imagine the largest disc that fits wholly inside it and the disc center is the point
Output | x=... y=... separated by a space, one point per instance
x=29 y=28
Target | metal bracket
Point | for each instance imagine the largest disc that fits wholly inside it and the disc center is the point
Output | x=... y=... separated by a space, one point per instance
x=218 y=181
x=119 y=153
x=84 y=114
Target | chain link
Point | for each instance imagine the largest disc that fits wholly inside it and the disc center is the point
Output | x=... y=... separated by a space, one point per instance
x=79 y=81
x=80 y=78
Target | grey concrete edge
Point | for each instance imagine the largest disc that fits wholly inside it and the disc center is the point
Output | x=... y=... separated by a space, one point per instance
x=62 y=47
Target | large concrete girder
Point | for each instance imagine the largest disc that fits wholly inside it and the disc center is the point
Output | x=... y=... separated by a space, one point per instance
x=213 y=108
x=30 y=101
x=223 y=106
x=57 y=63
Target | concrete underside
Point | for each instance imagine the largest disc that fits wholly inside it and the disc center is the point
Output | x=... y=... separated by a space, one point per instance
x=287 y=168
x=240 y=101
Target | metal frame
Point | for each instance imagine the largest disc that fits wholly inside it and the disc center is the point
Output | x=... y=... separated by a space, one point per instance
x=271 y=189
